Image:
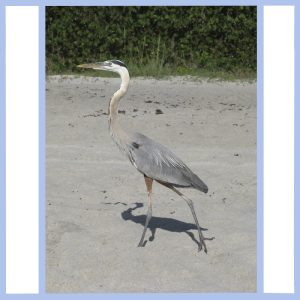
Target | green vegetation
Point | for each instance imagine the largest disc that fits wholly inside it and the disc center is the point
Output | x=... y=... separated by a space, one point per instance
x=154 y=41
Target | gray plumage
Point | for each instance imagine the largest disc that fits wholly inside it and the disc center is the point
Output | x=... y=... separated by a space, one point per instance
x=158 y=162
x=153 y=160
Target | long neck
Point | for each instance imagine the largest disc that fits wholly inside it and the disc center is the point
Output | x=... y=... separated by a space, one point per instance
x=115 y=129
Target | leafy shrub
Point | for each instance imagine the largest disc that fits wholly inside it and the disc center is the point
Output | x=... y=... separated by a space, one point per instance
x=213 y=38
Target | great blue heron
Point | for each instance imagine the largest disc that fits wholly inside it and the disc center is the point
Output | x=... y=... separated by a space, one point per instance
x=153 y=160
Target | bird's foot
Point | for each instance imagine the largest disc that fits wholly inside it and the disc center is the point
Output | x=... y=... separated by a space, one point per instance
x=142 y=244
x=202 y=243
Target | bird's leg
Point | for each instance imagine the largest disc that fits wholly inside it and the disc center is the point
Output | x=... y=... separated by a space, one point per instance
x=148 y=182
x=191 y=206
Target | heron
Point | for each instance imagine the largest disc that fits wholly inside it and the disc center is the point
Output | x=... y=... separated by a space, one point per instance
x=153 y=160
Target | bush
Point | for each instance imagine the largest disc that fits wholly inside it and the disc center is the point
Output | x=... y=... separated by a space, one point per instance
x=213 y=38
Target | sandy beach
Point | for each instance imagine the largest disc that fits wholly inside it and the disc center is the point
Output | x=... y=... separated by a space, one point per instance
x=96 y=201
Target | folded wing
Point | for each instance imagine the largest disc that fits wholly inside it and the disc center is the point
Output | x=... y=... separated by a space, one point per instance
x=158 y=162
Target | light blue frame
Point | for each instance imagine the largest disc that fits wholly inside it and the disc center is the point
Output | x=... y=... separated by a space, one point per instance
x=259 y=294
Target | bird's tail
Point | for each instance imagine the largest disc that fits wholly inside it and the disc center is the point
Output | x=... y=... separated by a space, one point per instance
x=198 y=184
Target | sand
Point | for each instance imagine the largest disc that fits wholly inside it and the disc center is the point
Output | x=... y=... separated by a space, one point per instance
x=96 y=200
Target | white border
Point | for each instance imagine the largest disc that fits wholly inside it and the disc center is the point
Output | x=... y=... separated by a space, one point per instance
x=22 y=149
x=22 y=146
x=279 y=149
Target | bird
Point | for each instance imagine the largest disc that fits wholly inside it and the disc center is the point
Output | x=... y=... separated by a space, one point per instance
x=153 y=160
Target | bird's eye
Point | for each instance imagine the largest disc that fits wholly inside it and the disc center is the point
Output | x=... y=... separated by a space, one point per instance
x=107 y=63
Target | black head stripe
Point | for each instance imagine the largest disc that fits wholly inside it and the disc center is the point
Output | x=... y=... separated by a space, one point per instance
x=118 y=62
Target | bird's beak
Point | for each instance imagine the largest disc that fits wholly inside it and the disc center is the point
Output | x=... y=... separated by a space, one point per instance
x=91 y=66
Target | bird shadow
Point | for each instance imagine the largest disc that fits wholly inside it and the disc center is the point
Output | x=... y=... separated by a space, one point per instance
x=155 y=223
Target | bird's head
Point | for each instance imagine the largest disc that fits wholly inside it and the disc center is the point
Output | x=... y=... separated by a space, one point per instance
x=116 y=66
